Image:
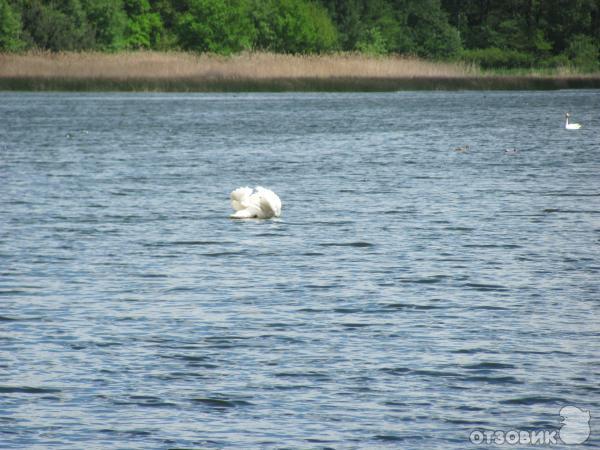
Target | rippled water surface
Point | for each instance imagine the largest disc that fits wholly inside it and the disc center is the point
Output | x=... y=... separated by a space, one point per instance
x=408 y=295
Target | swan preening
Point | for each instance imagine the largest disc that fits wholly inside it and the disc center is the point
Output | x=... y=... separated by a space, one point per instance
x=257 y=203
x=571 y=126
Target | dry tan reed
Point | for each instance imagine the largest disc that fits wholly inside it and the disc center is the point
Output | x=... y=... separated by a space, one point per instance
x=155 y=65
x=174 y=71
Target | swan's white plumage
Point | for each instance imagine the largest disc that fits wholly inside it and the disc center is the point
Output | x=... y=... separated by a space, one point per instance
x=238 y=196
x=259 y=203
x=571 y=126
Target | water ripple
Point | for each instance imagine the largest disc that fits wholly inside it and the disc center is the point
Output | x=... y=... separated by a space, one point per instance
x=407 y=295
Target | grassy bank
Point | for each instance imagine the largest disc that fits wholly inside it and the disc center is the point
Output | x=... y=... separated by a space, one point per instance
x=183 y=72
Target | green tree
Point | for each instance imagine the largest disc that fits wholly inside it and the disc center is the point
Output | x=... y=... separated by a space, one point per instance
x=511 y=33
x=293 y=26
x=144 y=27
x=372 y=42
x=57 y=25
x=539 y=27
x=347 y=17
x=417 y=27
x=108 y=22
x=562 y=20
x=218 y=26
x=10 y=28
x=583 y=53
x=431 y=33
x=382 y=29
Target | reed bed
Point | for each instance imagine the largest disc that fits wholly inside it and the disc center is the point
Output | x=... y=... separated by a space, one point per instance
x=176 y=71
x=156 y=65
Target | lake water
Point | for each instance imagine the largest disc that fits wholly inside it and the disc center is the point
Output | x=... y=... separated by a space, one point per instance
x=408 y=295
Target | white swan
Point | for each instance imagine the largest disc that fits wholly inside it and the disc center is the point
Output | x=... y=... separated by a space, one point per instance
x=571 y=126
x=259 y=203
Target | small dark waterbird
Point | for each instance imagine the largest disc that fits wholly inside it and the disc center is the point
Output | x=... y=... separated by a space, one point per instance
x=463 y=149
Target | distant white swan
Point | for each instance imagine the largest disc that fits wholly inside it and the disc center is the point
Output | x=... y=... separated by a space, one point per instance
x=259 y=203
x=571 y=126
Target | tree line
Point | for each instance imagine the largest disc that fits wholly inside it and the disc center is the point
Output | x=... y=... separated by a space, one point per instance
x=492 y=34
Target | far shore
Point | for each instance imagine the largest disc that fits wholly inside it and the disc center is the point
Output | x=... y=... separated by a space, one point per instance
x=259 y=72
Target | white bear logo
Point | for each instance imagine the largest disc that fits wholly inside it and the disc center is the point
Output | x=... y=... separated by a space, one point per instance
x=575 y=428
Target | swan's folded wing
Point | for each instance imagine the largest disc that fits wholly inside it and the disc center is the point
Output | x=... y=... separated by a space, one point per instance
x=239 y=197
x=266 y=208
x=269 y=202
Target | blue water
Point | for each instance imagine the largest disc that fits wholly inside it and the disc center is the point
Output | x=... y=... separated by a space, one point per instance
x=408 y=295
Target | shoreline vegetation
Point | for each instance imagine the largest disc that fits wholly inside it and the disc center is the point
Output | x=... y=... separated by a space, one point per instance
x=297 y=45
x=262 y=72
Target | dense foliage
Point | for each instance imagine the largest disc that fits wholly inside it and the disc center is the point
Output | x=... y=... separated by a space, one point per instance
x=510 y=33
